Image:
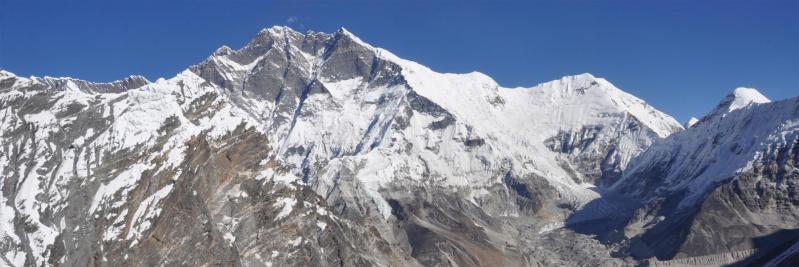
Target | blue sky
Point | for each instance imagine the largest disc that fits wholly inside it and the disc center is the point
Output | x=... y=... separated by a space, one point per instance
x=680 y=56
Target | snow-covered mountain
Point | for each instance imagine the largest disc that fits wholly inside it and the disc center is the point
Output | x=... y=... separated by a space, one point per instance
x=727 y=180
x=320 y=149
x=690 y=122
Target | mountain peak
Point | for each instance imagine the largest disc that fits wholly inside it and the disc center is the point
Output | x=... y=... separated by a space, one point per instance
x=583 y=76
x=743 y=96
x=739 y=98
x=585 y=79
x=223 y=51
x=690 y=122
x=344 y=31
x=5 y=73
x=277 y=29
x=268 y=36
x=579 y=83
x=600 y=94
x=349 y=35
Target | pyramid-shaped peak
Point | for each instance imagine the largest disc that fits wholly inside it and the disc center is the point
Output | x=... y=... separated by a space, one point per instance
x=749 y=95
x=690 y=122
x=741 y=97
x=343 y=32
x=262 y=42
x=274 y=33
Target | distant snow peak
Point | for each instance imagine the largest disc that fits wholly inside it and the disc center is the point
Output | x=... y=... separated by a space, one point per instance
x=5 y=73
x=742 y=97
x=691 y=122
x=739 y=98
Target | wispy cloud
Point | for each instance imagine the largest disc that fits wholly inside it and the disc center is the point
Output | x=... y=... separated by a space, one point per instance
x=295 y=22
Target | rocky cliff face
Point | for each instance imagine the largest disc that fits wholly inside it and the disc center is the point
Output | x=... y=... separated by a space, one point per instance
x=725 y=185
x=320 y=149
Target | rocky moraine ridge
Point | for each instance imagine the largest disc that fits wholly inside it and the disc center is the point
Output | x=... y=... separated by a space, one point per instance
x=319 y=149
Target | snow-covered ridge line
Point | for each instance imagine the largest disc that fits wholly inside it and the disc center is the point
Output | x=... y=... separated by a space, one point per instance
x=739 y=137
x=413 y=70
x=68 y=83
x=65 y=78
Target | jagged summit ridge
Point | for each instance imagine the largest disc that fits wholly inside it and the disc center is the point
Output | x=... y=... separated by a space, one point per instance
x=69 y=83
x=66 y=83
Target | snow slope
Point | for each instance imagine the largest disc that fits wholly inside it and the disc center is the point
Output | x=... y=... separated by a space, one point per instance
x=742 y=129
